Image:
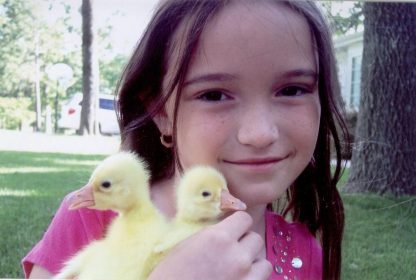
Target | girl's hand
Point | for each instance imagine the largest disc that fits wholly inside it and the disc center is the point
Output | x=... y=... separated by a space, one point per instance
x=227 y=250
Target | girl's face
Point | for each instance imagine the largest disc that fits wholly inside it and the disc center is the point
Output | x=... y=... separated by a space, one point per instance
x=250 y=104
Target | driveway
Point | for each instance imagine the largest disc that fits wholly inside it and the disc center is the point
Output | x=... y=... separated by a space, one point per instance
x=11 y=140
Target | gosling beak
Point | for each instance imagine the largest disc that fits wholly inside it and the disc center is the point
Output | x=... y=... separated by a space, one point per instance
x=229 y=202
x=83 y=198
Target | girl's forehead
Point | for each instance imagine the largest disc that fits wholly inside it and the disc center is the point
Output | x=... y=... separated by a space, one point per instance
x=246 y=26
x=240 y=14
x=267 y=28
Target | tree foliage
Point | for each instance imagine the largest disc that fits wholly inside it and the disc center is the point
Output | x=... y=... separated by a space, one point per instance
x=343 y=23
x=15 y=113
x=16 y=31
x=27 y=35
x=29 y=42
x=110 y=71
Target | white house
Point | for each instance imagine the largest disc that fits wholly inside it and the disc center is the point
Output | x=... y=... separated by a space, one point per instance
x=348 y=52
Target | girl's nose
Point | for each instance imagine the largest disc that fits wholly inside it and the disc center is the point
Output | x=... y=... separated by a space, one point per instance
x=258 y=127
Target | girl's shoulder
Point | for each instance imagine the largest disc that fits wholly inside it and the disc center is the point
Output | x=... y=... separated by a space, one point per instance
x=292 y=249
x=88 y=223
x=68 y=232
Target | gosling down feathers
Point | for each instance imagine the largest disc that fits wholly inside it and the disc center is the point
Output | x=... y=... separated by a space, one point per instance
x=202 y=198
x=119 y=183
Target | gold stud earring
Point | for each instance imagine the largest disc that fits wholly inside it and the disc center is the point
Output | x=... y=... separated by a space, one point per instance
x=166 y=140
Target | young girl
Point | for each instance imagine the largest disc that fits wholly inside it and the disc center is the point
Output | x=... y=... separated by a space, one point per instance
x=250 y=88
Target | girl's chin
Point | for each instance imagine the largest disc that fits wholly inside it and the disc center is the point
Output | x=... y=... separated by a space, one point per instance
x=257 y=194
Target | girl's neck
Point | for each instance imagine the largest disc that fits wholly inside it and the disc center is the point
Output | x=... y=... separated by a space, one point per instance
x=259 y=224
x=163 y=196
x=257 y=213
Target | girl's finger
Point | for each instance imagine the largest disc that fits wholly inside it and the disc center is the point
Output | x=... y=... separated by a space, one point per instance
x=252 y=244
x=260 y=270
x=236 y=224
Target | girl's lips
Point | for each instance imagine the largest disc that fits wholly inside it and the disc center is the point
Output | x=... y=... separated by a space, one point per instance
x=256 y=164
x=255 y=161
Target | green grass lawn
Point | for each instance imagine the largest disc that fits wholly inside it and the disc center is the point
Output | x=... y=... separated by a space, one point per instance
x=31 y=188
x=379 y=238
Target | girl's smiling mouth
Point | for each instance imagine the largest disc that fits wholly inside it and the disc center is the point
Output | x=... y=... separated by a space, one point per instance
x=261 y=165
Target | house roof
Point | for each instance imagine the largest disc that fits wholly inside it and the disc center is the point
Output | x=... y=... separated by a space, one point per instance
x=349 y=39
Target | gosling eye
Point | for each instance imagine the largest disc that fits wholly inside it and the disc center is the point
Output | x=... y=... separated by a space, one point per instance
x=106 y=184
x=206 y=194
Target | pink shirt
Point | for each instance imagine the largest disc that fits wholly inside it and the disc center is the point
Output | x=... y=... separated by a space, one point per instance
x=292 y=250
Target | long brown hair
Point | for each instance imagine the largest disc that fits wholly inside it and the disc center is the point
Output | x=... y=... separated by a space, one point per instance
x=313 y=198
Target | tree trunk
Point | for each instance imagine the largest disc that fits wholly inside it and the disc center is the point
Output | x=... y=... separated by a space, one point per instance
x=384 y=156
x=90 y=81
x=38 y=99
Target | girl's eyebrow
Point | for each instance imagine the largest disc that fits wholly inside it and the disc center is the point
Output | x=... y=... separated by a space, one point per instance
x=219 y=77
x=308 y=73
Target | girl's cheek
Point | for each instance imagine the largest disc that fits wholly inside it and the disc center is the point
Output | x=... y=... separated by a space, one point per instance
x=201 y=138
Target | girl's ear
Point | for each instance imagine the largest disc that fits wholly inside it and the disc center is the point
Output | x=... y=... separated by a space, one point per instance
x=163 y=123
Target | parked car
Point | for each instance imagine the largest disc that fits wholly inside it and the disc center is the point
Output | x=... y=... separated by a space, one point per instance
x=106 y=115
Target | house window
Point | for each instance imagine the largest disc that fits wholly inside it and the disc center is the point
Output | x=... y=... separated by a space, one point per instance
x=355 y=82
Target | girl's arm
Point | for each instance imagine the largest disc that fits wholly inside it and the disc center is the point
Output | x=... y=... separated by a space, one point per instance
x=39 y=272
x=227 y=250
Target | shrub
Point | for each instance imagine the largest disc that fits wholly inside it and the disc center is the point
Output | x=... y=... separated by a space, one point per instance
x=15 y=112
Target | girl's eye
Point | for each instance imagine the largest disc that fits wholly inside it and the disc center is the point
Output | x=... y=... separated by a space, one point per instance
x=293 y=91
x=213 y=95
